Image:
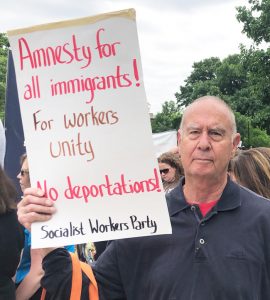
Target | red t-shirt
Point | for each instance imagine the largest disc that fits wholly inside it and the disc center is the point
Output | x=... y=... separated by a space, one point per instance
x=206 y=207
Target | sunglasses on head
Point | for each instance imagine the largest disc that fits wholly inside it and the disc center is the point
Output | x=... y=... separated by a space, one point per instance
x=165 y=171
x=23 y=172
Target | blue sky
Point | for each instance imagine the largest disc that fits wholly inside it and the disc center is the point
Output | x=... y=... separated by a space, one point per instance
x=173 y=34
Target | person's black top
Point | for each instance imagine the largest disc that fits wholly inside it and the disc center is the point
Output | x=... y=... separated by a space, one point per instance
x=100 y=247
x=11 y=244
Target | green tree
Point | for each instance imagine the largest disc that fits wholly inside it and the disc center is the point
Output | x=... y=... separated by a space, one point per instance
x=3 y=70
x=201 y=81
x=256 y=20
x=251 y=136
x=168 y=119
x=240 y=79
x=256 y=25
x=259 y=138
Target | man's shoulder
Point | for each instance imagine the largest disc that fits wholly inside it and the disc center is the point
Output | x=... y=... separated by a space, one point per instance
x=175 y=200
x=175 y=193
x=253 y=199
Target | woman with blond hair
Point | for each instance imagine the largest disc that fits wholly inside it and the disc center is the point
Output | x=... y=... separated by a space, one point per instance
x=251 y=169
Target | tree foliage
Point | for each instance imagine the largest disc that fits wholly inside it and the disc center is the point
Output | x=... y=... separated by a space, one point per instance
x=251 y=136
x=3 y=70
x=200 y=82
x=168 y=119
x=256 y=20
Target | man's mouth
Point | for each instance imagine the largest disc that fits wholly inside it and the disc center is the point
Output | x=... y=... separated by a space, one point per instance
x=203 y=159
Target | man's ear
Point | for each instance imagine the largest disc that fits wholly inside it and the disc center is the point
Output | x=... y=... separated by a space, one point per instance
x=236 y=142
x=179 y=137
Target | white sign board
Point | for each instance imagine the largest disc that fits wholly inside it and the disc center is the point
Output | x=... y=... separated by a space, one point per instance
x=87 y=129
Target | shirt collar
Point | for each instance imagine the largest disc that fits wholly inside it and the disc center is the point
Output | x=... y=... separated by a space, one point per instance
x=230 y=198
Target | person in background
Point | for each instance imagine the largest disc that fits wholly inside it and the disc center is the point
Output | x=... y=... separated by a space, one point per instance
x=29 y=272
x=86 y=252
x=219 y=247
x=100 y=247
x=23 y=176
x=170 y=168
x=265 y=151
x=11 y=237
x=251 y=169
x=90 y=252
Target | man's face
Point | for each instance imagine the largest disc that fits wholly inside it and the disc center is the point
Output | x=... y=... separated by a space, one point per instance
x=206 y=140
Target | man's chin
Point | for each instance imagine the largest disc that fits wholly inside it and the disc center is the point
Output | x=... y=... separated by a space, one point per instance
x=203 y=172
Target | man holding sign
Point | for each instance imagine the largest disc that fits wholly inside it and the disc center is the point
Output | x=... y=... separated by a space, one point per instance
x=219 y=247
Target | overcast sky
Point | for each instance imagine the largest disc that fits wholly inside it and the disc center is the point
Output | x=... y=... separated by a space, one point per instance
x=173 y=34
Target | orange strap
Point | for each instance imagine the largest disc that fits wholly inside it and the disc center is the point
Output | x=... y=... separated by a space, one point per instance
x=93 y=288
x=76 y=285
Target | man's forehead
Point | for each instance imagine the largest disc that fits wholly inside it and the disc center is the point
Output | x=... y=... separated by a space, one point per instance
x=208 y=112
x=197 y=125
x=200 y=114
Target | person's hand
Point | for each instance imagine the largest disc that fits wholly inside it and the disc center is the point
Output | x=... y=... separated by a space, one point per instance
x=34 y=207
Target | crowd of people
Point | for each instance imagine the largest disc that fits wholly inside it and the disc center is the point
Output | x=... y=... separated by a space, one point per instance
x=218 y=202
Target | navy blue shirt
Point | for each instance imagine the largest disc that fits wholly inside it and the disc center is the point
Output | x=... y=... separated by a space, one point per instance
x=224 y=255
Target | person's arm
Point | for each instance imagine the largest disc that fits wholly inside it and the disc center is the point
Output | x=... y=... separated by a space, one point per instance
x=35 y=207
x=57 y=265
x=57 y=279
x=31 y=282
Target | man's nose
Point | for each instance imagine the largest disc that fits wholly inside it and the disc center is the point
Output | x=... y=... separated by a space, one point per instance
x=204 y=141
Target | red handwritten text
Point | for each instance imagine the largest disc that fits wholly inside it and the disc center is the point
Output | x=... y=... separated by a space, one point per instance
x=105 y=50
x=88 y=84
x=50 y=56
x=108 y=188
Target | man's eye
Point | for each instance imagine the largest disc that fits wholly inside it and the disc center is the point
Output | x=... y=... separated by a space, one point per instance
x=216 y=135
x=194 y=134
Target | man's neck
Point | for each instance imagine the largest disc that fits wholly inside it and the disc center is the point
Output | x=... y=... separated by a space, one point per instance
x=203 y=190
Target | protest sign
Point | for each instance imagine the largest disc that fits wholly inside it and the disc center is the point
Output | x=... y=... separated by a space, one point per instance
x=87 y=129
